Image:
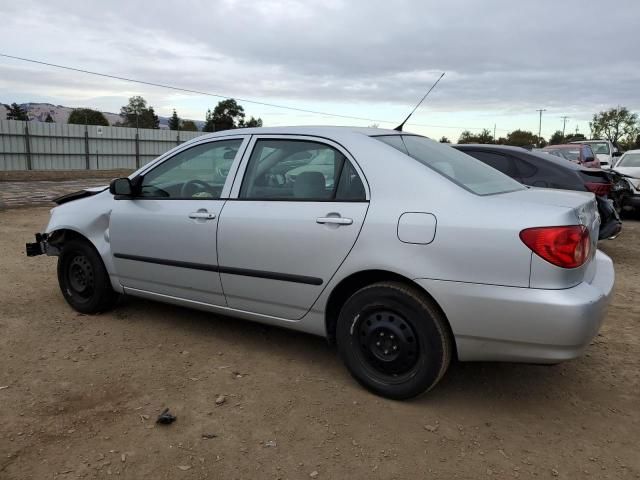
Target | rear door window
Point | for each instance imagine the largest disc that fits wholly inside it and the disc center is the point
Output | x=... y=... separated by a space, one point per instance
x=300 y=170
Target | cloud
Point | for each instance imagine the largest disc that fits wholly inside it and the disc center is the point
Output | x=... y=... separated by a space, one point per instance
x=502 y=58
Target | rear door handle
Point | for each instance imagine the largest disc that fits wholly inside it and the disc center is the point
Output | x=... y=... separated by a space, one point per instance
x=202 y=215
x=334 y=220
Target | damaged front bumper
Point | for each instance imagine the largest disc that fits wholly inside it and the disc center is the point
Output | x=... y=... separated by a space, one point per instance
x=39 y=247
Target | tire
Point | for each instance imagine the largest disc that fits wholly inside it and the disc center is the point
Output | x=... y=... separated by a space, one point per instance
x=394 y=340
x=83 y=278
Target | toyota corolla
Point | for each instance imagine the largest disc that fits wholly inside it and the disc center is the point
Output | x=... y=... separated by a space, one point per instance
x=404 y=252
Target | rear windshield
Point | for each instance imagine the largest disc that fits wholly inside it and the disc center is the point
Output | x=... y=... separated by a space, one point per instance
x=460 y=168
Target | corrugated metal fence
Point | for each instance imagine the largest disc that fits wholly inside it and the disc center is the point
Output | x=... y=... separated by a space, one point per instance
x=53 y=146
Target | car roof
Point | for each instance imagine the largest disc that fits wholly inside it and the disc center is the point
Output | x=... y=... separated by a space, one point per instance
x=590 y=141
x=307 y=130
x=489 y=146
x=632 y=151
x=523 y=152
x=562 y=145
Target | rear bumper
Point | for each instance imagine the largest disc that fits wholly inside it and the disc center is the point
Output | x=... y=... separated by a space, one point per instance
x=497 y=323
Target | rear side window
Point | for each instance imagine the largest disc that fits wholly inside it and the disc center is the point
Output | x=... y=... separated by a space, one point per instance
x=495 y=160
x=587 y=153
x=525 y=169
x=462 y=169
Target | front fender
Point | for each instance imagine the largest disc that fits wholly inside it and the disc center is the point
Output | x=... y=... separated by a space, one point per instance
x=88 y=217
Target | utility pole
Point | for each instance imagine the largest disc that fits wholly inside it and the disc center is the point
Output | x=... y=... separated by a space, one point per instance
x=564 y=124
x=494 y=133
x=540 y=124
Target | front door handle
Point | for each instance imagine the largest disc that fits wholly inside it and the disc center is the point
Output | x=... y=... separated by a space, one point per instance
x=202 y=215
x=334 y=220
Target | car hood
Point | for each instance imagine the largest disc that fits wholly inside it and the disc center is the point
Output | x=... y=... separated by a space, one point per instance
x=87 y=192
x=631 y=172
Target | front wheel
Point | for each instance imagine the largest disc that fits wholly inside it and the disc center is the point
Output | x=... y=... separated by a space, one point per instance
x=394 y=340
x=83 y=279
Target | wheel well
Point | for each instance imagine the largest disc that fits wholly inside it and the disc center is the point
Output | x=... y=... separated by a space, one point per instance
x=57 y=238
x=351 y=284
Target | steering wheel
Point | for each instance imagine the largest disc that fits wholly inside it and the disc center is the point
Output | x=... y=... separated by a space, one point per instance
x=192 y=186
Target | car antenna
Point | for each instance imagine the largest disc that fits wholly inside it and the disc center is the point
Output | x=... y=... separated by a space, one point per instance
x=399 y=127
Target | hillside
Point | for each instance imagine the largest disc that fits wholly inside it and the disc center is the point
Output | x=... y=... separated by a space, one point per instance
x=60 y=114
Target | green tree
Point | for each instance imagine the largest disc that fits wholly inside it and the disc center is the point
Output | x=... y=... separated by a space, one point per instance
x=174 y=121
x=252 y=122
x=49 y=119
x=575 y=137
x=557 y=138
x=16 y=112
x=466 y=137
x=482 y=137
x=228 y=114
x=615 y=124
x=137 y=114
x=87 y=116
x=485 y=136
x=444 y=139
x=189 y=126
x=522 y=138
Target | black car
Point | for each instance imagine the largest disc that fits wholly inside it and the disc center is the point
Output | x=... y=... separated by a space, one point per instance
x=544 y=170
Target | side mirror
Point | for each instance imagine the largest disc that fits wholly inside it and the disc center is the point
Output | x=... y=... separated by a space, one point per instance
x=616 y=153
x=121 y=187
x=589 y=159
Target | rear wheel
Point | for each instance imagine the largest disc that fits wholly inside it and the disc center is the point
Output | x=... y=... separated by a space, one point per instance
x=83 y=279
x=394 y=340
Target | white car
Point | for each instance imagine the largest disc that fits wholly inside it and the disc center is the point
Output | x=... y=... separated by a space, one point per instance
x=604 y=150
x=402 y=250
x=629 y=164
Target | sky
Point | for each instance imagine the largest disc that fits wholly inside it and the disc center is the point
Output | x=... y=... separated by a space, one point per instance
x=363 y=58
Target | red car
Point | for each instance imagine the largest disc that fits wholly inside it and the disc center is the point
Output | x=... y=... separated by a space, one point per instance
x=576 y=153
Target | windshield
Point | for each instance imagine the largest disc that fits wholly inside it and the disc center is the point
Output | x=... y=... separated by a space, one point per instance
x=460 y=168
x=629 y=160
x=571 y=154
x=601 y=148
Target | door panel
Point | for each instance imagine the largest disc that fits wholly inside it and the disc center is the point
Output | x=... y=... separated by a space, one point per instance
x=298 y=209
x=273 y=237
x=164 y=238
x=150 y=238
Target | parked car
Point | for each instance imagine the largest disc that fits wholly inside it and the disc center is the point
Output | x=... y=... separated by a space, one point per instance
x=416 y=253
x=629 y=166
x=603 y=149
x=548 y=171
x=580 y=154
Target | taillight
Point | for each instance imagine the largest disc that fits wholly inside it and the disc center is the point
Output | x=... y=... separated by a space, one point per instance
x=600 y=189
x=566 y=247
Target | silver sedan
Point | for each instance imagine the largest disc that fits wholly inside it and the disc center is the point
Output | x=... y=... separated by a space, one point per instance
x=404 y=252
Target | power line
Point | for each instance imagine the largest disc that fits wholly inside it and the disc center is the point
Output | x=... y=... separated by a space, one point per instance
x=217 y=95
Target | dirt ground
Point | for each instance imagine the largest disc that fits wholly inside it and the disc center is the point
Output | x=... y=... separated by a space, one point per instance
x=79 y=395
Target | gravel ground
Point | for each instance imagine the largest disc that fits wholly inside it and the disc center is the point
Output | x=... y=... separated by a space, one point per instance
x=79 y=395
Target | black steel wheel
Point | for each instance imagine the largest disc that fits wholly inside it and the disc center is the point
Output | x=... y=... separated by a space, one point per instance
x=83 y=279
x=388 y=343
x=394 y=340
